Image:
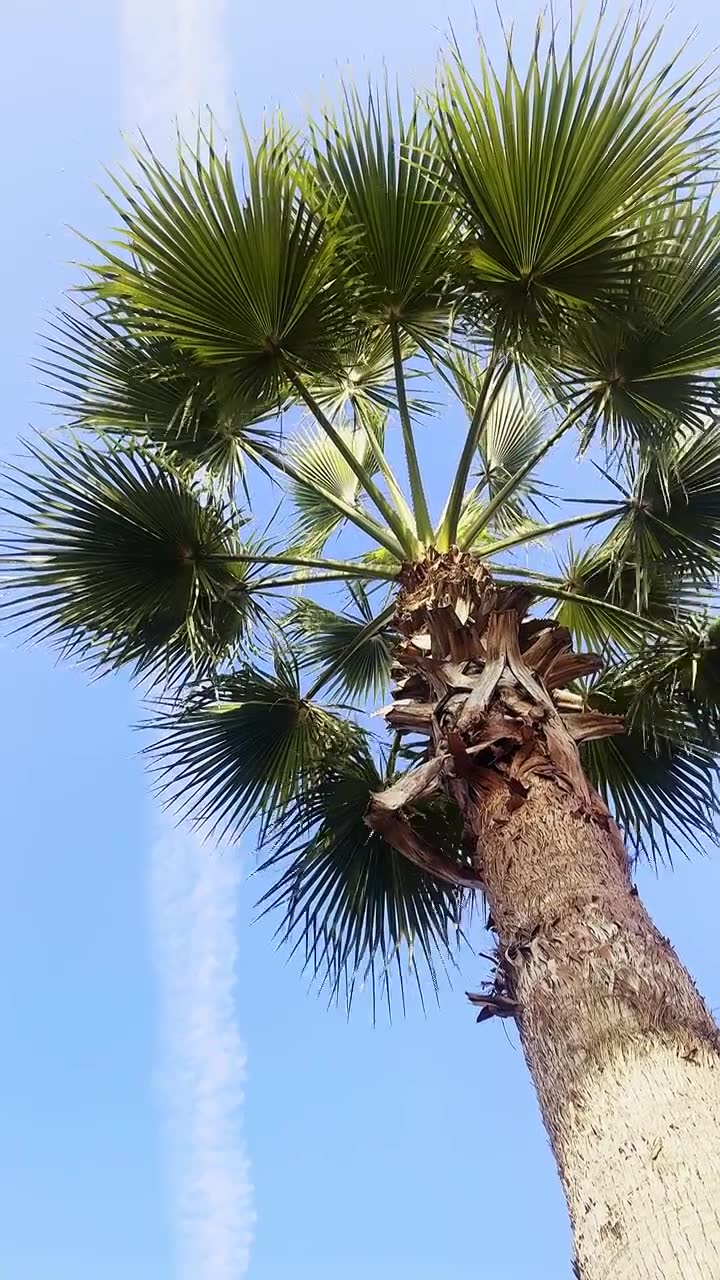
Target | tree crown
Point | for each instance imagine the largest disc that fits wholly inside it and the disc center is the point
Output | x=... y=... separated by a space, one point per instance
x=252 y=386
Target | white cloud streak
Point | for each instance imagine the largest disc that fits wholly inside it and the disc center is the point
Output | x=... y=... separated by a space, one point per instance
x=173 y=68
x=173 y=65
x=203 y=1062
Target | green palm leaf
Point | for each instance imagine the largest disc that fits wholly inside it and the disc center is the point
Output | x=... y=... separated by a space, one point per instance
x=545 y=168
x=607 y=604
x=148 y=387
x=683 y=669
x=242 y=749
x=651 y=360
x=510 y=438
x=659 y=777
x=354 y=905
x=323 y=474
x=114 y=558
x=672 y=524
x=379 y=174
x=379 y=171
x=246 y=280
x=357 y=647
x=361 y=377
x=382 y=179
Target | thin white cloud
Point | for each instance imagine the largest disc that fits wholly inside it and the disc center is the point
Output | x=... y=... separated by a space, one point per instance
x=203 y=1060
x=173 y=65
x=173 y=68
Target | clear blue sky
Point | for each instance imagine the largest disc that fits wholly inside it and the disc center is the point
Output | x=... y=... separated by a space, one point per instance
x=406 y=1151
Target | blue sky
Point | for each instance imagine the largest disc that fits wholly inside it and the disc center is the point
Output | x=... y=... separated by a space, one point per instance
x=166 y=1079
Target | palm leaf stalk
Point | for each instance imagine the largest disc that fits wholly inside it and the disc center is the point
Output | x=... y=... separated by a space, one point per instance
x=345 y=568
x=491 y=385
x=336 y=504
x=424 y=526
x=394 y=520
x=541 y=726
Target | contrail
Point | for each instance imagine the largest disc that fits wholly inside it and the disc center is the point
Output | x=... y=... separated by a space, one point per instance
x=203 y=1060
x=173 y=68
x=173 y=65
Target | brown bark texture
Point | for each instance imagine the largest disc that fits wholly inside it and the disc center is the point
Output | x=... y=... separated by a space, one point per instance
x=603 y=1006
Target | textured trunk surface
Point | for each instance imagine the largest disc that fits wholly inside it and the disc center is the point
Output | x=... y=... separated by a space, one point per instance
x=621 y=1048
x=624 y=1055
x=642 y=1170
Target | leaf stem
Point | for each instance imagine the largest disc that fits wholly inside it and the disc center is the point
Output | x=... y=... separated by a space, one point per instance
x=507 y=490
x=384 y=467
x=357 y=517
x=491 y=387
x=405 y=536
x=546 y=531
x=423 y=523
x=309 y=562
x=301 y=579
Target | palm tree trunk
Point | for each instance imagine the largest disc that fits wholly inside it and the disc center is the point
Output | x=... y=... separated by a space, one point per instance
x=624 y=1055
x=621 y=1048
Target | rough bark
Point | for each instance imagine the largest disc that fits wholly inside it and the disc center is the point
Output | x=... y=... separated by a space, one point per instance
x=622 y=1050
x=624 y=1055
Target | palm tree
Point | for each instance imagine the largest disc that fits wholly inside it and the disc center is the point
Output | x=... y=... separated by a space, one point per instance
x=538 y=248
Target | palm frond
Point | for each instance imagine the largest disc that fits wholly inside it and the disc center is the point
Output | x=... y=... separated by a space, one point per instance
x=511 y=436
x=246 y=280
x=672 y=522
x=606 y=605
x=545 y=167
x=116 y=559
x=356 y=646
x=650 y=361
x=381 y=176
x=102 y=376
x=682 y=668
x=361 y=374
x=323 y=474
x=659 y=777
x=378 y=170
x=243 y=748
x=357 y=910
x=107 y=379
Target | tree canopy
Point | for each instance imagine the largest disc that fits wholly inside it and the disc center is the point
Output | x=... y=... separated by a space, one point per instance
x=520 y=260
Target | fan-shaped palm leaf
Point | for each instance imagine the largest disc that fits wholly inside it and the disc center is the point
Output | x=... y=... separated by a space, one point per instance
x=246 y=280
x=682 y=668
x=142 y=386
x=358 y=649
x=382 y=177
x=510 y=438
x=672 y=523
x=321 y=474
x=545 y=167
x=115 y=558
x=380 y=173
x=597 y=577
x=650 y=361
x=244 y=748
x=361 y=377
x=659 y=776
x=348 y=899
